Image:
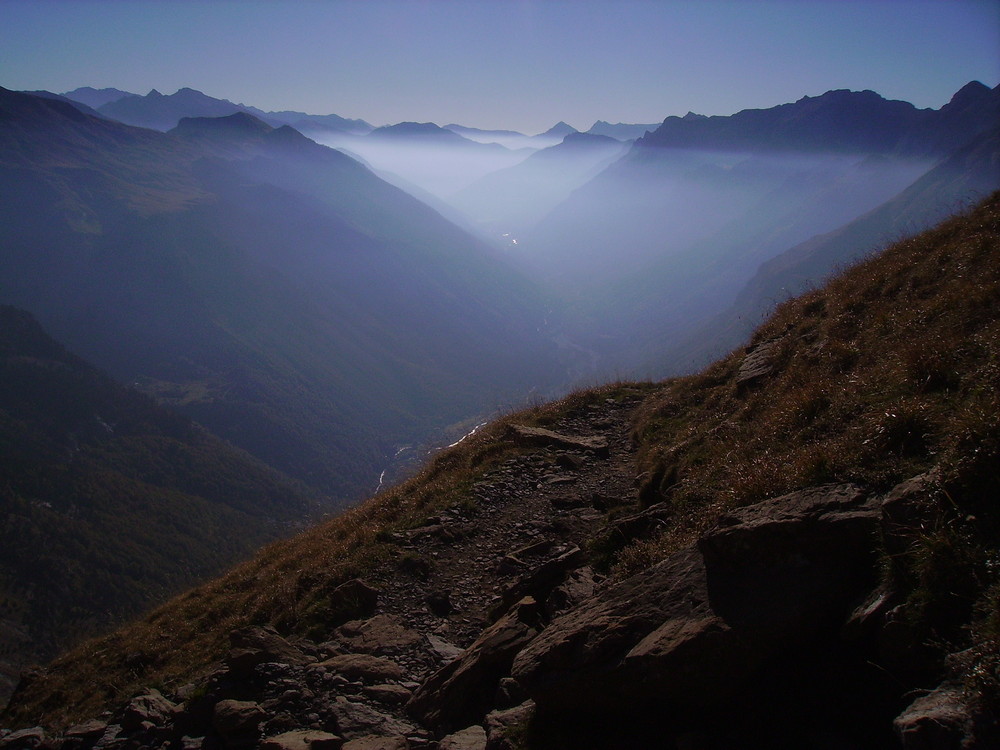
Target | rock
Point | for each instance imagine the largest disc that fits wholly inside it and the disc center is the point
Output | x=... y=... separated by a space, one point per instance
x=23 y=739
x=152 y=708
x=540 y=580
x=238 y=722
x=439 y=603
x=578 y=586
x=936 y=721
x=540 y=436
x=623 y=531
x=304 y=739
x=758 y=362
x=788 y=563
x=364 y=667
x=358 y=720
x=353 y=600
x=443 y=649
x=88 y=730
x=461 y=692
x=377 y=635
x=683 y=636
x=388 y=694
x=505 y=729
x=470 y=738
x=253 y=646
x=373 y=742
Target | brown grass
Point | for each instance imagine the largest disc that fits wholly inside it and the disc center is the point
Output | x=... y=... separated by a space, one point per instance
x=284 y=585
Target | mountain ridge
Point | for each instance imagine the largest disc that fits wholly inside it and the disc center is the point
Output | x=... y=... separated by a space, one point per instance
x=761 y=473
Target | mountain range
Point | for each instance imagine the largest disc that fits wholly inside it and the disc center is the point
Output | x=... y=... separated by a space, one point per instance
x=325 y=320
x=800 y=563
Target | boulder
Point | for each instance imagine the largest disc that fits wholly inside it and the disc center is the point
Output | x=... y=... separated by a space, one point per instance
x=460 y=693
x=364 y=667
x=684 y=636
x=91 y=729
x=758 y=362
x=23 y=739
x=353 y=600
x=470 y=738
x=936 y=721
x=504 y=729
x=303 y=739
x=578 y=586
x=358 y=720
x=548 y=438
x=388 y=694
x=151 y=707
x=252 y=646
x=377 y=635
x=238 y=722
x=539 y=581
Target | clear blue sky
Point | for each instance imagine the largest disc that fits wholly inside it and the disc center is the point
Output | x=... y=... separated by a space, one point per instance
x=519 y=64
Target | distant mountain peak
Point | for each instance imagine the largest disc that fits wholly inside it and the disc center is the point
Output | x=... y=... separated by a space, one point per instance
x=560 y=129
x=154 y=93
x=971 y=92
x=238 y=124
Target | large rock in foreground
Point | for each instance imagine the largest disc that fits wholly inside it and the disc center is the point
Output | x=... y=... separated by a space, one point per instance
x=684 y=637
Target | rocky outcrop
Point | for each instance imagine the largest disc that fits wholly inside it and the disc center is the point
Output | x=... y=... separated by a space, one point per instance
x=462 y=692
x=682 y=638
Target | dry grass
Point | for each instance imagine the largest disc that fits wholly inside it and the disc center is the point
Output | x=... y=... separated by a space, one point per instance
x=890 y=369
x=286 y=584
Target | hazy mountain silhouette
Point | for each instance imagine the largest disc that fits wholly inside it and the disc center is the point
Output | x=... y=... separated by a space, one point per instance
x=966 y=175
x=272 y=288
x=437 y=160
x=508 y=138
x=512 y=200
x=163 y=112
x=96 y=97
x=621 y=131
x=634 y=246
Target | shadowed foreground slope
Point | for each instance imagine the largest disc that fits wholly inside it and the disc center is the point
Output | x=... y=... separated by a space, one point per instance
x=781 y=551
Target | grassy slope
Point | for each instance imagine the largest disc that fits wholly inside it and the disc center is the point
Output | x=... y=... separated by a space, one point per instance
x=890 y=370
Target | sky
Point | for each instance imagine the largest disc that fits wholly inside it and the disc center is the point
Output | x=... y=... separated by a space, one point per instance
x=505 y=64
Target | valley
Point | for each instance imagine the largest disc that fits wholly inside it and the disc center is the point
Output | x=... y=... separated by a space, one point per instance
x=503 y=408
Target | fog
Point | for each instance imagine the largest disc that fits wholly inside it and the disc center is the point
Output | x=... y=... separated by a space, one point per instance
x=513 y=200
x=664 y=238
x=441 y=166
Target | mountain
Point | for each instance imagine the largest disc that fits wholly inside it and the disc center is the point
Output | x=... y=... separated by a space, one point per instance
x=969 y=172
x=95 y=98
x=621 y=131
x=770 y=179
x=163 y=112
x=513 y=199
x=437 y=160
x=800 y=563
x=273 y=289
x=110 y=503
x=508 y=138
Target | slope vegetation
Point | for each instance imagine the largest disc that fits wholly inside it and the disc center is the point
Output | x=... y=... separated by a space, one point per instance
x=109 y=503
x=890 y=372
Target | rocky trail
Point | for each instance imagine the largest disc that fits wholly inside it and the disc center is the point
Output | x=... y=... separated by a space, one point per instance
x=488 y=626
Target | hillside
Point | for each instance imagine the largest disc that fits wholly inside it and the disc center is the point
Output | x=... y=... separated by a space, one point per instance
x=796 y=547
x=273 y=289
x=657 y=244
x=110 y=503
